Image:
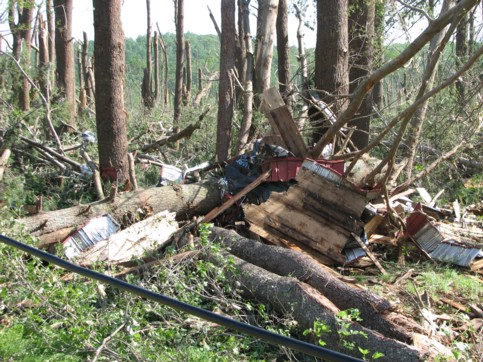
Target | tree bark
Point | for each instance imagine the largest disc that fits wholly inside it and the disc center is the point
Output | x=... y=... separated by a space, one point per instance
x=248 y=85
x=332 y=55
x=266 y=21
x=49 y=9
x=87 y=71
x=44 y=61
x=64 y=50
x=357 y=97
x=109 y=74
x=283 y=50
x=306 y=305
x=375 y=311
x=185 y=200
x=361 y=47
x=226 y=88
x=147 y=84
x=21 y=34
x=179 y=20
x=189 y=72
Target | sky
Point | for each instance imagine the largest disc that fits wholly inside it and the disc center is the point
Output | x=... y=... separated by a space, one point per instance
x=197 y=18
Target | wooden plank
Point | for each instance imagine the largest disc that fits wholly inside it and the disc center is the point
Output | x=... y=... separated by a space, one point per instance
x=369 y=253
x=383 y=240
x=346 y=199
x=371 y=226
x=299 y=230
x=476 y=265
x=218 y=210
x=284 y=123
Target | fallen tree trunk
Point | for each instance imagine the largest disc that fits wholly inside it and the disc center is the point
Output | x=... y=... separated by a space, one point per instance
x=374 y=310
x=288 y=296
x=184 y=200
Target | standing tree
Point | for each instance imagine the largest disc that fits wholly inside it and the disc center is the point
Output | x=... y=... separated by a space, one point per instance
x=266 y=21
x=283 y=48
x=147 y=84
x=111 y=118
x=332 y=55
x=361 y=46
x=226 y=88
x=21 y=33
x=178 y=90
x=64 y=50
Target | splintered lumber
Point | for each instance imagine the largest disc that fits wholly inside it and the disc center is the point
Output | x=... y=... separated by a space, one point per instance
x=369 y=253
x=217 y=211
x=283 y=123
x=375 y=310
x=133 y=242
x=290 y=297
x=184 y=200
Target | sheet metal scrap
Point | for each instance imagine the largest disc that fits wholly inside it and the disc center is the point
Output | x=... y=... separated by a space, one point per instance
x=95 y=230
x=439 y=245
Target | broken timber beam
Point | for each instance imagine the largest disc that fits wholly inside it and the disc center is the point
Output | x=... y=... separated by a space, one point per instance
x=283 y=123
x=217 y=211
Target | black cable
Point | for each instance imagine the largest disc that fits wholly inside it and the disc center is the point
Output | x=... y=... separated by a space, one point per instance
x=270 y=337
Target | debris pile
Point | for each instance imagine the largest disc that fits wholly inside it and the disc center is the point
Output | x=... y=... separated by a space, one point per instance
x=279 y=195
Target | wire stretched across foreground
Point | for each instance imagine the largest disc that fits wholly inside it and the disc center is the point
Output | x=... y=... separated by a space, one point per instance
x=260 y=333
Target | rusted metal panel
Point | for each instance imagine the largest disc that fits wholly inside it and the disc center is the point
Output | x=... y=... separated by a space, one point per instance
x=440 y=245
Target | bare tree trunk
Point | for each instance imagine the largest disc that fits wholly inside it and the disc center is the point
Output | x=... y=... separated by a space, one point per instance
x=361 y=47
x=178 y=91
x=305 y=305
x=44 y=61
x=304 y=82
x=166 y=69
x=226 y=88
x=414 y=47
x=248 y=85
x=22 y=33
x=64 y=49
x=461 y=48
x=87 y=70
x=332 y=55
x=111 y=118
x=156 y=65
x=50 y=30
x=287 y=262
x=240 y=56
x=283 y=50
x=266 y=21
x=185 y=200
x=377 y=92
x=189 y=73
x=147 y=84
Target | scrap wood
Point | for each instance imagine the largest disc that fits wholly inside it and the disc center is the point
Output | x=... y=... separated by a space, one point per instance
x=132 y=242
x=371 y=226
x=455 y=305
x=284 y=123
x=383 y=240
x=403 y=278
x=369 y=253
x=217 y=211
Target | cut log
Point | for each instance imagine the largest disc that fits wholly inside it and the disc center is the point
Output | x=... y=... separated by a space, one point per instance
x=373 y=309
x=184 y=200
x=288 y=296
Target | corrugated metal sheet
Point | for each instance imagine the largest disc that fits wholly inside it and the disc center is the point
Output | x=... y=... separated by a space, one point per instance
x=439 y=245
x=353 y=254
x=97 y=229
